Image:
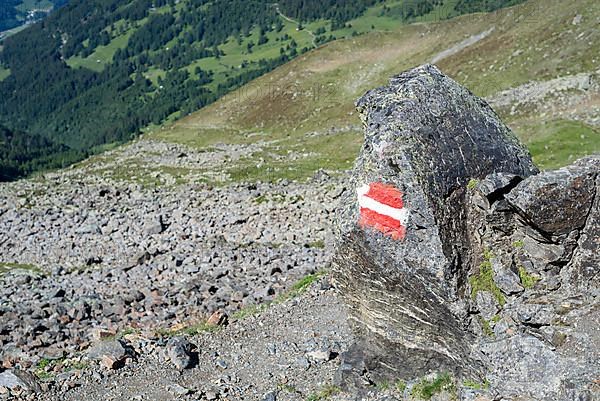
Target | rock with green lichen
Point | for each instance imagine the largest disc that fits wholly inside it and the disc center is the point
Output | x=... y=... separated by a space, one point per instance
x=544 y=234
x=495 y=274
x=428 y=137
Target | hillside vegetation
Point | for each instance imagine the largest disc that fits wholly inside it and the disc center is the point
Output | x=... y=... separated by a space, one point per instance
x=303 y=116
x=117 y=66
x=22 y=154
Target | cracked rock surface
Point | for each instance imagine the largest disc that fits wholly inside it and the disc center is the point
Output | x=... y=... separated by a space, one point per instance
x=496 y=278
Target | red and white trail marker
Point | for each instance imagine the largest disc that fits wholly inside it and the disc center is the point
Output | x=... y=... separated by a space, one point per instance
x=382 y=208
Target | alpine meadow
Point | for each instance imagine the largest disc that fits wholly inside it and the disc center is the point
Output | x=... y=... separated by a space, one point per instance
x=96 y=73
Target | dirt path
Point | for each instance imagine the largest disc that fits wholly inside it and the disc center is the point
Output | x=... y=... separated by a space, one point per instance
x=288 y=19
x=461 y=46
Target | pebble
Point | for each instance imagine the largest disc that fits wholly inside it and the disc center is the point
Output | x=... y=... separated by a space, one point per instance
x=179 y=351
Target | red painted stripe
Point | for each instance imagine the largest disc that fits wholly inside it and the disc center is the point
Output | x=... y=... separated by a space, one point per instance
x=386 y=194
x=382 y=223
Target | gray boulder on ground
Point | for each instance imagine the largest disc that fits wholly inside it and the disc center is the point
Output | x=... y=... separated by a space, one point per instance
x=12 y=379
x=112 y=353
x=179 y=351
x=454 y=255
x=426 y=136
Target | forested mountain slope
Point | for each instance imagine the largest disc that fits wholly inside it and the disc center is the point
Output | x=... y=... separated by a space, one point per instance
x=97 y=72
x=15 y=13
x=21 y=154
x=536 y=63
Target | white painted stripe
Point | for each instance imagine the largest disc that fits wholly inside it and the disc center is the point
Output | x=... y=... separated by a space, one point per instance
x=369 y=203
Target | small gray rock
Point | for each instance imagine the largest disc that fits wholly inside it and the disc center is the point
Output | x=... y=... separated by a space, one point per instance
x=270 y=396
x=537 y=315
x=303 y=363
x=542 y=254
x=487 y=304
x=154 y=226
x=179 y=351
x=178 y=390
x=320 y=355
x=18 y=378
x=114 y=349
x=508 y=282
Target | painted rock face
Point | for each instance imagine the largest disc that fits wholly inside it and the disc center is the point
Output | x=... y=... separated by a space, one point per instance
x=382 y=208
x=403 y=250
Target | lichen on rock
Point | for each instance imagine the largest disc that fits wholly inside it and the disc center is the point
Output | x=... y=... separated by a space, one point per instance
x=461 y=190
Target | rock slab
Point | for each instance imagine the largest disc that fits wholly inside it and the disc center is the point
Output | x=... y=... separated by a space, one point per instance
x=425 y=136
x=456 y=255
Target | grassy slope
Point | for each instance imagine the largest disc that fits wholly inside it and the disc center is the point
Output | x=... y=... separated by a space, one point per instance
x=27 y=5
x=315 y=93
x=102 y=55
x=4 y=73
x=557 y=142
x=237 y=53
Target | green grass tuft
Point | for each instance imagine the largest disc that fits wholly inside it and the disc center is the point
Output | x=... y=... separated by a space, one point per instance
x=400 y=386
x=44 y=368
x=484 y=280
x=43 y=363
x=383 y=385
x=127 y=331
x=472 y=183
x=426 y=389
x=191 y=330
x=78 y=365
x=8 y=266
x=324 y=393
x=251 y=310
x=527 y=280
x=487 y=328
x=320 y=244
x=288 y=388
x=476 y=385
x=301 y=286
x=297 y=289
x=260 y=199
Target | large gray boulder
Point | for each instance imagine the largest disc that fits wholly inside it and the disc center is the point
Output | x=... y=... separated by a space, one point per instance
x=441 y=231
x=426 y=136
x=543 y=341
x=13 y=379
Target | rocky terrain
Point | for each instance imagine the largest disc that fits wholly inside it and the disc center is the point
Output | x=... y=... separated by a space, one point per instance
x=572 y=97
x=463 y=257
x=87 y=256
x=152 y=273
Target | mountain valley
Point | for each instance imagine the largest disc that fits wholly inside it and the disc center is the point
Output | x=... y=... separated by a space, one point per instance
x=204 y=205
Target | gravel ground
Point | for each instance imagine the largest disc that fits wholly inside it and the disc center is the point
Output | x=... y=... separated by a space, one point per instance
x=290 y=351
x=92 y=260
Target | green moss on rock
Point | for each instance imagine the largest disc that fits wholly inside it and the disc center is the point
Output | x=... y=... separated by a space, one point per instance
x=484 y=280
x=527 y=280
x=426 y=389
